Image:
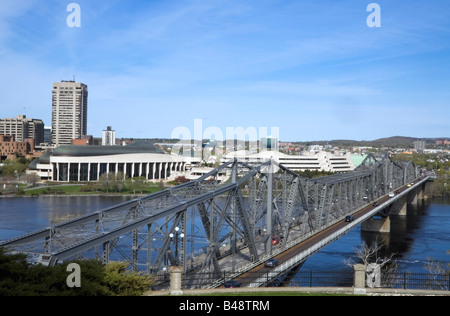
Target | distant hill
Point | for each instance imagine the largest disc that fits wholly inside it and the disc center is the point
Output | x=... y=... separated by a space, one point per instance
x=394 y=141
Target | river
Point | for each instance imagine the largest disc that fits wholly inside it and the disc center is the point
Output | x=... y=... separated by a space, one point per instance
x=424 y=233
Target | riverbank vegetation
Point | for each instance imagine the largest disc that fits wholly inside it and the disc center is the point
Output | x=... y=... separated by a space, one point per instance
x=439 y=163
x=21 y=278
x=105 y=186
x=12 y=169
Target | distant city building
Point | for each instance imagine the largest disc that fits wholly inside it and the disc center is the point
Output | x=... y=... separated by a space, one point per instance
x=69 y=112
x=108 y=137
x=48 y=135
x=442 y=142
x=23 y=128
x=86 y=140
x=9 y=148
x=269 y=143
x=320 y=161
x=419 y=146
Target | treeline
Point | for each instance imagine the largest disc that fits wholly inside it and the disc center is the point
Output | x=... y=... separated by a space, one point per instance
x=109 y=183
x=21 y=278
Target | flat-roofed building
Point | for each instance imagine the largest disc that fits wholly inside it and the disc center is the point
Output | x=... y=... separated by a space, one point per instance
x=9 y=148
x=320 y=161
x=108 y=137
x=89 y=163
x=23 y=128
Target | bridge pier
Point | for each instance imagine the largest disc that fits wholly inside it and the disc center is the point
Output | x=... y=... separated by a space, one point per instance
x=416 y=197
x=377 y=225
x=399 y=207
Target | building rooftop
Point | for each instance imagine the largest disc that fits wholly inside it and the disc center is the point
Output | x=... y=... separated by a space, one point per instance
x=140 y=147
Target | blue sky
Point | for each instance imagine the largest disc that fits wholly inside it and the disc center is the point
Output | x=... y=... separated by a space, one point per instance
x=313 y=68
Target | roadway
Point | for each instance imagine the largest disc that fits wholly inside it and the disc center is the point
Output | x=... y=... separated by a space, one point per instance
x=260 y=270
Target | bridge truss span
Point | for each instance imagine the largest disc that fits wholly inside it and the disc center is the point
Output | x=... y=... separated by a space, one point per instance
x=212 y=226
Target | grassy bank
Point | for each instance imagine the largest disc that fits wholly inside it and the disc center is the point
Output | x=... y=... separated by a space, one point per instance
x=87 y=189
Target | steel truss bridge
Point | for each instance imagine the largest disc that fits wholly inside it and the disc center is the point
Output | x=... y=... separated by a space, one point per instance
x=208 y=227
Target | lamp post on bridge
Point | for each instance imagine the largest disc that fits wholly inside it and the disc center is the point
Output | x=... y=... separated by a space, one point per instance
x=175 y=270
x=177 y=235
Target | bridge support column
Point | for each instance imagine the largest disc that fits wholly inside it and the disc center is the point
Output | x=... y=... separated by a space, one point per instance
x=175 y=280
x=416 y=196
x=399 y=207
x=269 y=207
x=359 y=286
x=377 y=225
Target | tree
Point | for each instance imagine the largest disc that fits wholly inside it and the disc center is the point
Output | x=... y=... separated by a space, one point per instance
x=119 y=181
x=123 y=283
x=105 y=182
x=136 y=184
x=15 y=167
x=32 y=178
x=111 y=182
x=19 y=277
x=180 y=180
x=439 y=273
x=379 y=269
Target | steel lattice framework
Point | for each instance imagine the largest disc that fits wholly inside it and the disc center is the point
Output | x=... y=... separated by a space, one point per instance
x=196 y=224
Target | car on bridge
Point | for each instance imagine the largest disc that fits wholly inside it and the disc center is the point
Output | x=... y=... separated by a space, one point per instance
x=349 y=218
x=391 y=195
x=271 y=263
x=275 y=240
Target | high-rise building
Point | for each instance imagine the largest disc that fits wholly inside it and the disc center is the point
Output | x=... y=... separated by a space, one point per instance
x=108 y=137
x=69 y=112
x=23 y=128
x=269 y=143
x=419 y=146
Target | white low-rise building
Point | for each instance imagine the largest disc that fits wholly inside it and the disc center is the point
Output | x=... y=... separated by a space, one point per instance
x=198 y=172
x=320 y=161
x=88 y=163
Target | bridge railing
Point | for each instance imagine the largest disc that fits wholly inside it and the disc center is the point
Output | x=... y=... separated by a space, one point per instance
x=311 y=279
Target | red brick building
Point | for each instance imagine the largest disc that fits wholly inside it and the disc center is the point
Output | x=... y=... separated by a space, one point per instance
x=443 y=142
x=10 y=149
x=87 y=140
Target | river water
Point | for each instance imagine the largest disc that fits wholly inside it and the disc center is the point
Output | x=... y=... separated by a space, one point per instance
x=424 y=233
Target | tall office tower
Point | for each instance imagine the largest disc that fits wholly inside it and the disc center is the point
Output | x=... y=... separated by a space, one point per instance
x=69 y=112
x=108 y=137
